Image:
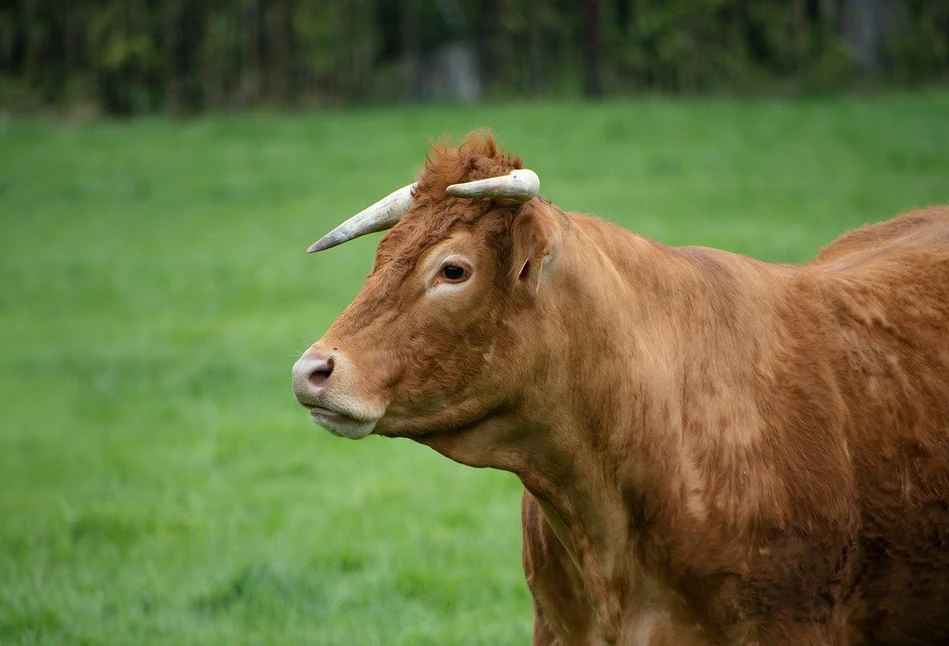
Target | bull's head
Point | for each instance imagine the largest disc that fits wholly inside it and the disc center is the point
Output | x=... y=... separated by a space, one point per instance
x=443 y=336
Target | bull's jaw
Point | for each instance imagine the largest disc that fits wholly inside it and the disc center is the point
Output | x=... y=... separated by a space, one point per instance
x=341 y=425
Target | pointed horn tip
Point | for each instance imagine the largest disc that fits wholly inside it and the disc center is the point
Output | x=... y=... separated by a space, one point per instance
x=324 y=243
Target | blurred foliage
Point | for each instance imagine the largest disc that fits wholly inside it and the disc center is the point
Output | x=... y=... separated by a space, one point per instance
x=140 y=56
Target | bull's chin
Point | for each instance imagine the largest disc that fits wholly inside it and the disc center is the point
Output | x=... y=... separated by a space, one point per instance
x=342 y=425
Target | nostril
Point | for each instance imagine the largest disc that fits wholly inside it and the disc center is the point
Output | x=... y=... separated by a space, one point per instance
x=321 y=372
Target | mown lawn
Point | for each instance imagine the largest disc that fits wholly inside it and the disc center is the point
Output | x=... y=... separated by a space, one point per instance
x=158 y=483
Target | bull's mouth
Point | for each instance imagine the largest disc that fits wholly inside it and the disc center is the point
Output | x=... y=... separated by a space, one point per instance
x=341 y=424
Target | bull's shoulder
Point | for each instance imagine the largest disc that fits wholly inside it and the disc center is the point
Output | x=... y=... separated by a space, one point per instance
x=922 y=228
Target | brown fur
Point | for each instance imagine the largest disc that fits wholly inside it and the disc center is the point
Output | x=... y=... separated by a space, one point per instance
x=714 y=450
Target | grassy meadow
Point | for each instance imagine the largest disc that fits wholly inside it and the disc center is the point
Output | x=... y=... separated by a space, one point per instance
x=158 y=483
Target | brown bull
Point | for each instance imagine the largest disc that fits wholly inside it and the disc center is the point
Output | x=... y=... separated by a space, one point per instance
x=715 y=450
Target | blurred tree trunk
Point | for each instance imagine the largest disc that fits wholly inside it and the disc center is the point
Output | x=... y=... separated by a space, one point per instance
x=33 y=29
x=455 y=62
x=411 y=48
x=210 y=50
x=536 y=27
x=365 y=42
x=828 y=12
x=248 y=92
x=867 y=24
x=592 y=49
x=499 y=45
x=276 y=60
x=621 y=12
x=170 y=45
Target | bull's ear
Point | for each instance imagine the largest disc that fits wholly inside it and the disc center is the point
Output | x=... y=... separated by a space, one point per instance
x=536 y=237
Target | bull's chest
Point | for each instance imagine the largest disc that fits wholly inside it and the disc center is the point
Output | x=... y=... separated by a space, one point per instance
x=601 y=598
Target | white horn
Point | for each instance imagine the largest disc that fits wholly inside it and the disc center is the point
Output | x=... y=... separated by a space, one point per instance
x=520 y=185
x=378 y=217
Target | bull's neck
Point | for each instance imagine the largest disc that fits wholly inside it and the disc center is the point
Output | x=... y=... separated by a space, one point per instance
x=613 y=292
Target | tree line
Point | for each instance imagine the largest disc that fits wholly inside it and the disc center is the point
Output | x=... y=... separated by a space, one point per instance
x=183 y=56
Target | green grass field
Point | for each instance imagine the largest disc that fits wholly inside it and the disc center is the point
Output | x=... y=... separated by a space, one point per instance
x=158 y=482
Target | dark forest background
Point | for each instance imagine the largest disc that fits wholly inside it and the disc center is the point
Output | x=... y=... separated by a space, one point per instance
x=179 y=56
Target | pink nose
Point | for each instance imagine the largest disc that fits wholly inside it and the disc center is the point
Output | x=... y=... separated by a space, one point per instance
x=310 y=374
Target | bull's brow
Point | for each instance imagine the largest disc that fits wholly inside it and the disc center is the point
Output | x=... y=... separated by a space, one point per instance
x=403 y=258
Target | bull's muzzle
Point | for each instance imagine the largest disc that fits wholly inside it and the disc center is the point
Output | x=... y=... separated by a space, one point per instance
x=324 y=382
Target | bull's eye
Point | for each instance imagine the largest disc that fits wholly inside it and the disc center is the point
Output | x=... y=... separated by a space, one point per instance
x=454 y=273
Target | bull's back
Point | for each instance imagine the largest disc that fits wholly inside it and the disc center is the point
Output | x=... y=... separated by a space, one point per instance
x=918 y=229
x=886 y=288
